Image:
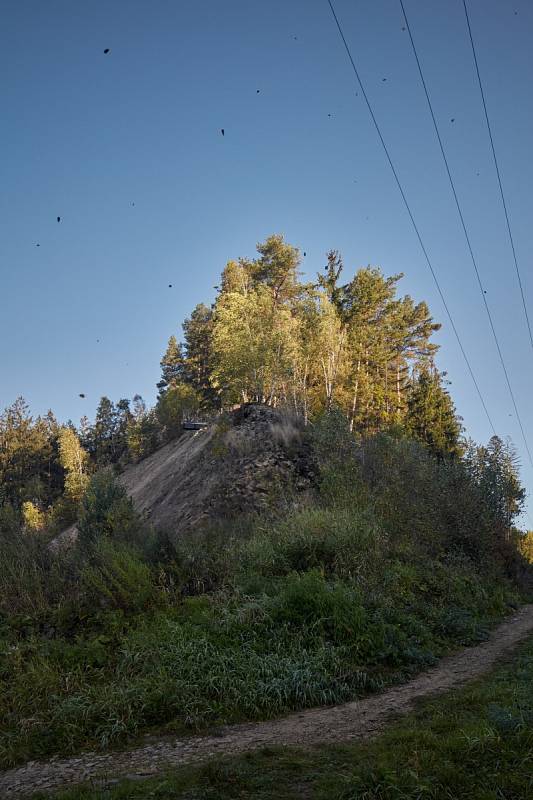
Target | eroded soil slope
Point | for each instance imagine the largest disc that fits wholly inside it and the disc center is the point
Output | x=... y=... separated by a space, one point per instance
x=240 y=463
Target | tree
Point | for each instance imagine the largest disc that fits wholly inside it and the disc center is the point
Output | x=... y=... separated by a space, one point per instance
x=495 y=470
x=171 y=366
x=431 y=415
x=330 y=350
x=277 y=268
x=178 y=403
x=33 y=517
x=105 y=428
x=253 y=341
x=198 y=332
x=143 y=432
x=330 y=281
x=106 y=510
x=74 y=460
x=28 y=457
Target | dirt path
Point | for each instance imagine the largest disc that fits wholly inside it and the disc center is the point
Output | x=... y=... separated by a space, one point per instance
x=355 y=720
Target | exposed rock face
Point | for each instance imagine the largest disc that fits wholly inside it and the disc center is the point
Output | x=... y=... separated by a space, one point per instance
x=254 y=458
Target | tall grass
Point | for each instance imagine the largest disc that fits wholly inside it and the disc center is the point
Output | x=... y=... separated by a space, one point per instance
x=250 y=618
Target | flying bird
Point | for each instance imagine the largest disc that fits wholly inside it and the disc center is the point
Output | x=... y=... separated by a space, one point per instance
x=305 y=253
x=59 y=219
x=257 y=91
x=384 y=79
x=133 y=204
x=170 y=286
x=452 y=119
x=81 y=394
x=222 y=131
x=37 y=245
x=107 y=50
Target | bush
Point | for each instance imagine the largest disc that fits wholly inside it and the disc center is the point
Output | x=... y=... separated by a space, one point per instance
x=106 y=511
x=116 y=577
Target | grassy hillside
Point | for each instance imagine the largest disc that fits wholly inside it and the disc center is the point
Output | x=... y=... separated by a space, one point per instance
x=394 y=562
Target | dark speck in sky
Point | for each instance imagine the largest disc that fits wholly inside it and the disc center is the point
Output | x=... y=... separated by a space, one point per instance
x=222 y=131
x=81 y=394
x=107 y=50
x=59 y=219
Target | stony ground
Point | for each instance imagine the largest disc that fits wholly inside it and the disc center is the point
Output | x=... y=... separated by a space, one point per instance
x=355 y=720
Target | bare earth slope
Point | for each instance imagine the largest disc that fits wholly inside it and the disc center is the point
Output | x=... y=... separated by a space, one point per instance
x=167 y=487
x=233 y=466
x=355 y=720
x=237 y=465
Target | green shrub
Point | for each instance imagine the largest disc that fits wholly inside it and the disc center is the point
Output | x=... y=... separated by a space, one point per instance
x=106 y=511
x=116 y=577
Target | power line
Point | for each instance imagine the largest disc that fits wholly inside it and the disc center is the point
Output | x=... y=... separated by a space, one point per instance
x=467 y=237
x=407 y=206
x=498 y=175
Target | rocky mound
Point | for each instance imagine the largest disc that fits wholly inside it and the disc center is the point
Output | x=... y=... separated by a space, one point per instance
x=251 y=459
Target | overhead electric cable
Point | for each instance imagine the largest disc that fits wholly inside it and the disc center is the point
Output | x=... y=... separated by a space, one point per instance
x=467 y=237
x=504 y=204
x=411 y=217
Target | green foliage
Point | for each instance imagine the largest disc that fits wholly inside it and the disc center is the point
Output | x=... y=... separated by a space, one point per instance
x=171 y=366
x=197 y=332
x=474 y=744
x=143 y=431
x=116 y=578
x=106 y=511
x=525 y=545
x=431 y=416
x=174 y=406
x=335 y=450
x=34 y=519
x=32 y=578
x=74 y=461
x=29 y=463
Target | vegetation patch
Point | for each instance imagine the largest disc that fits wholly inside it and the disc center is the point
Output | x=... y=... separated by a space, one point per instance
x=476 y=744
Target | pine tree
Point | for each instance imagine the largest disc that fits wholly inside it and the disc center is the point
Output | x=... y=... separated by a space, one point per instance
x=105 y=428
x=26 y=457
x=198 y=331
x=277 y=268
x=431 y=416
x=330 y=280
x=172 y=366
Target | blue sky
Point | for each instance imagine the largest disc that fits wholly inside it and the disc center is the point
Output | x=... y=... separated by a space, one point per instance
x=85 y=135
